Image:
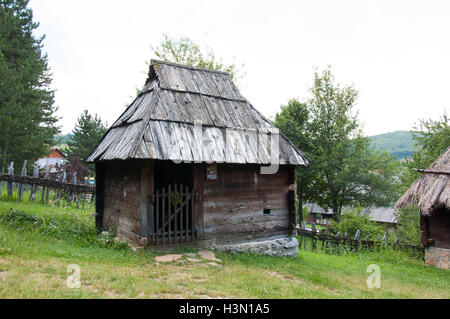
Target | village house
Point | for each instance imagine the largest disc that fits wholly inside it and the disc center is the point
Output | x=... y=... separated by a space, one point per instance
x=318 y=214
x=384 y=216
x=192 y=161
x=52 y=161
x=431 y=193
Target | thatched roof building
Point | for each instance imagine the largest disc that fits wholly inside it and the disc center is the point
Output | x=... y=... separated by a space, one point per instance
x=431 y=190
x=431 y=193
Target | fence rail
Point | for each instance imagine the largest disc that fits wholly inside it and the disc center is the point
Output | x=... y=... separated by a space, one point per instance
x=72 y=192
x=339 y=241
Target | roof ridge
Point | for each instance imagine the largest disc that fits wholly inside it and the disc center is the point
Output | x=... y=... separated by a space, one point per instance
x=189 y=67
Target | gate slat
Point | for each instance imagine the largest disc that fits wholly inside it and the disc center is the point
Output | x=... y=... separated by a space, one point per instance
x=181 y=215
x=193 y=216
x=157 y=218
x=163 y=199
x=169 y=220
x=175 y=212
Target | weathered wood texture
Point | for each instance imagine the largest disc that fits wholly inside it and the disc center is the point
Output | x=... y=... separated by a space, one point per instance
x=48 y=183
x=122 y=198
x=162 y=121
x=243 y=204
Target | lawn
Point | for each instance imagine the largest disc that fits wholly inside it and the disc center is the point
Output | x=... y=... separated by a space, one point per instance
x=38 y=242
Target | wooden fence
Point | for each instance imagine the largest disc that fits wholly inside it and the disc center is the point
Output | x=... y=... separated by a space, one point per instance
x=63 y=188
x=340 y=242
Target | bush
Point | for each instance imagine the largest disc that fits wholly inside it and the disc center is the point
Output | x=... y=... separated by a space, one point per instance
x=351 y=220
x=409 y=225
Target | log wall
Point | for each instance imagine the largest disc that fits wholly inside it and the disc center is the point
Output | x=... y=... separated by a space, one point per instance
x=234 y=204
x=240 y=205
x=122 y=198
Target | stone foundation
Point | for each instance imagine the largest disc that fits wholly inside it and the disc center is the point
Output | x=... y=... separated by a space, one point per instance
x=439 y=257
x=274 y=246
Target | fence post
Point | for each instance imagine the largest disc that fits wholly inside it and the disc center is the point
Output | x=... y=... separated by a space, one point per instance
x=24 y=173
x=78 y=197
x=33 y=187
x=357 y=235
x=325 y=238
x=313 y=236
x=62 y=179
x=337 y=241
x=47 y=193
x=10 y=184
x=84 y=194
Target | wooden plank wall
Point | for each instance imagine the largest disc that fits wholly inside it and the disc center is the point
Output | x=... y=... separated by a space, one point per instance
x=234 y=204
x=122 y=199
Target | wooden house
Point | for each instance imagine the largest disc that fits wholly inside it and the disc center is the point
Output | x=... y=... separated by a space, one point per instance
x=188 y=161
x=51 y=162
x=431 y=193
x=318 y=214
x=385 y=216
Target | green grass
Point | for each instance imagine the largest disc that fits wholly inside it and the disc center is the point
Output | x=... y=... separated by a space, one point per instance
x=38 y=242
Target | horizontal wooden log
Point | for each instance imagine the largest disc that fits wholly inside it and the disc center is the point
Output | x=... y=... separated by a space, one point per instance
x=245 y=217
x=47 y=183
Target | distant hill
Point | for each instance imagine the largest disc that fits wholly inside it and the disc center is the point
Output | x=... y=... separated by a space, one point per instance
x=398 y=143
x=62 y=139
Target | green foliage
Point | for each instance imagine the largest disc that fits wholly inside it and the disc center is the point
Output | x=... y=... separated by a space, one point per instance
x=186 y=51
x=352 y=220
x=305 y=212
x=293 y=122
x=87 y=133
x=409 y=225
x=27 y=120
x=60 y=226
x=345 y=168
x=399 y=144
x=432 y=138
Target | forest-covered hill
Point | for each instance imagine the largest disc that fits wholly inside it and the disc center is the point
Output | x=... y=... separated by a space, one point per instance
x=398 y=143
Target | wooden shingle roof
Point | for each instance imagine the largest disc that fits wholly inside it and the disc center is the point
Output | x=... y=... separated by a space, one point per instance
x=193 y=115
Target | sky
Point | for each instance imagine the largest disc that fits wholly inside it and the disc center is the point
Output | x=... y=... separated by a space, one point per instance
x=395 y=53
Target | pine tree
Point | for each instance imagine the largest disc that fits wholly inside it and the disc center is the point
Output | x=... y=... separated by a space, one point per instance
x=87 y=133
x=27 y=120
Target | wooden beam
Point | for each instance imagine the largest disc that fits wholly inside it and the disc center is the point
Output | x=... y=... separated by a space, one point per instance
x=431 y=172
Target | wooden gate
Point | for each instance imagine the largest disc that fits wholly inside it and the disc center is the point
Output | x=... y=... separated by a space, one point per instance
x=173 y=219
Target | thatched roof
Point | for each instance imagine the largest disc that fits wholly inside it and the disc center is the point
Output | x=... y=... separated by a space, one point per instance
x=163 y=122
x=431 y=190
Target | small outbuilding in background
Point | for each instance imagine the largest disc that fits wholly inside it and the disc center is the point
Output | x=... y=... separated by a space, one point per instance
x=184 y=163
x=431 y=193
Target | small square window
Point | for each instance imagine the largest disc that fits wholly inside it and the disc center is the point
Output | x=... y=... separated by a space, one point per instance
x=211 y=173
x=267 y=211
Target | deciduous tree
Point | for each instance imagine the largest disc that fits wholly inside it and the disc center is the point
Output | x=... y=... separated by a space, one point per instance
x=345 y=169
